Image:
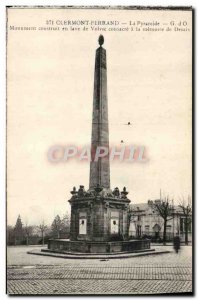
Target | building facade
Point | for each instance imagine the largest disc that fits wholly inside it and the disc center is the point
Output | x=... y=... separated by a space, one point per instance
x=146 y=222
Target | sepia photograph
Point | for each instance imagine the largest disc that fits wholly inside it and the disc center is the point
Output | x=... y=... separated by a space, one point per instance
x=99 y=150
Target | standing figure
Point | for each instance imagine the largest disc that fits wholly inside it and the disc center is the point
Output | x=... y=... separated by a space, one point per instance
x=176 y=243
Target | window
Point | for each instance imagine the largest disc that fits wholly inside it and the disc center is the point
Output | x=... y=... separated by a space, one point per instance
x=114 y=222
x=82 y=223
x=189 y=225
x=168 y=228
x=181 y=225
x=114 y=226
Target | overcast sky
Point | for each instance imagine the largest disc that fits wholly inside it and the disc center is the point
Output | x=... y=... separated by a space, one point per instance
x=50 y=94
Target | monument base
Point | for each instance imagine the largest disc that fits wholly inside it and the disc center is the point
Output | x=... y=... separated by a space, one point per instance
x=67 y=246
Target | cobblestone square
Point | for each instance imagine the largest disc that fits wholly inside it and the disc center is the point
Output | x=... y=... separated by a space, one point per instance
x=156 y=274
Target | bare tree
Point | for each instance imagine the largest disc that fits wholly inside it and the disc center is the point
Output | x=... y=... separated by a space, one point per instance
x=42 y=227
x=165 y=210
x=28 y=232
x=66 y=224
x=10 y=235
x=129 y=219
x=132 y=216
x=186 y=207
x=57 y=226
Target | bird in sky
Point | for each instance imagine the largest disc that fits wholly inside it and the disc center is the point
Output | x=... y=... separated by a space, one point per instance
x=128 y=123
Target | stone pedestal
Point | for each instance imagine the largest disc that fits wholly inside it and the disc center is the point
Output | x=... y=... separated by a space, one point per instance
x=99 y=217
x=66 y=246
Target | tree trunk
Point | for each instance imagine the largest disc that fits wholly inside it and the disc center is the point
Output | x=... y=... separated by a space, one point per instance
x=58 y=234
x=186 y=231
x=164 y=233
x=43 y=238
x=27 y=241
x=128 y=226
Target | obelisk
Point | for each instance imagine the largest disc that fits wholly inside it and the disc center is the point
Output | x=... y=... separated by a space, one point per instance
x=99 y=216
x=100 y=169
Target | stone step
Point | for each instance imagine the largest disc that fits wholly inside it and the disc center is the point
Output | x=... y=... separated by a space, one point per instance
x=97 y=256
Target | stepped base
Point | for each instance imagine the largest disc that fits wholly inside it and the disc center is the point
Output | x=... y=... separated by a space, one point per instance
x=67 y=246
x=101 y=256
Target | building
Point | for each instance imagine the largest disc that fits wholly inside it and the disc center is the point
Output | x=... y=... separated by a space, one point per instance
x=146 y=222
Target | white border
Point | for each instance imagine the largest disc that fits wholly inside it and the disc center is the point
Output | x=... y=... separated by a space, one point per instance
x=3 y=4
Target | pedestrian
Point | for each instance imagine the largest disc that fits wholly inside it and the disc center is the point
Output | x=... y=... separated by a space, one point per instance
x=176 y=243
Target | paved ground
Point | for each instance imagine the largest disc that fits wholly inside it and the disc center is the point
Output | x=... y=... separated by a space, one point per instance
x=32 y=274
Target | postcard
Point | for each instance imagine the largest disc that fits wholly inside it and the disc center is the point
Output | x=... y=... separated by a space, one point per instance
x=99 y=150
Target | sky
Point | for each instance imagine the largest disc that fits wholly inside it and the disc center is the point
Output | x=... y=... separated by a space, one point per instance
x=49 y=102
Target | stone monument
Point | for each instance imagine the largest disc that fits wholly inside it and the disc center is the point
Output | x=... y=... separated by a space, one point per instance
x=99 y=215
